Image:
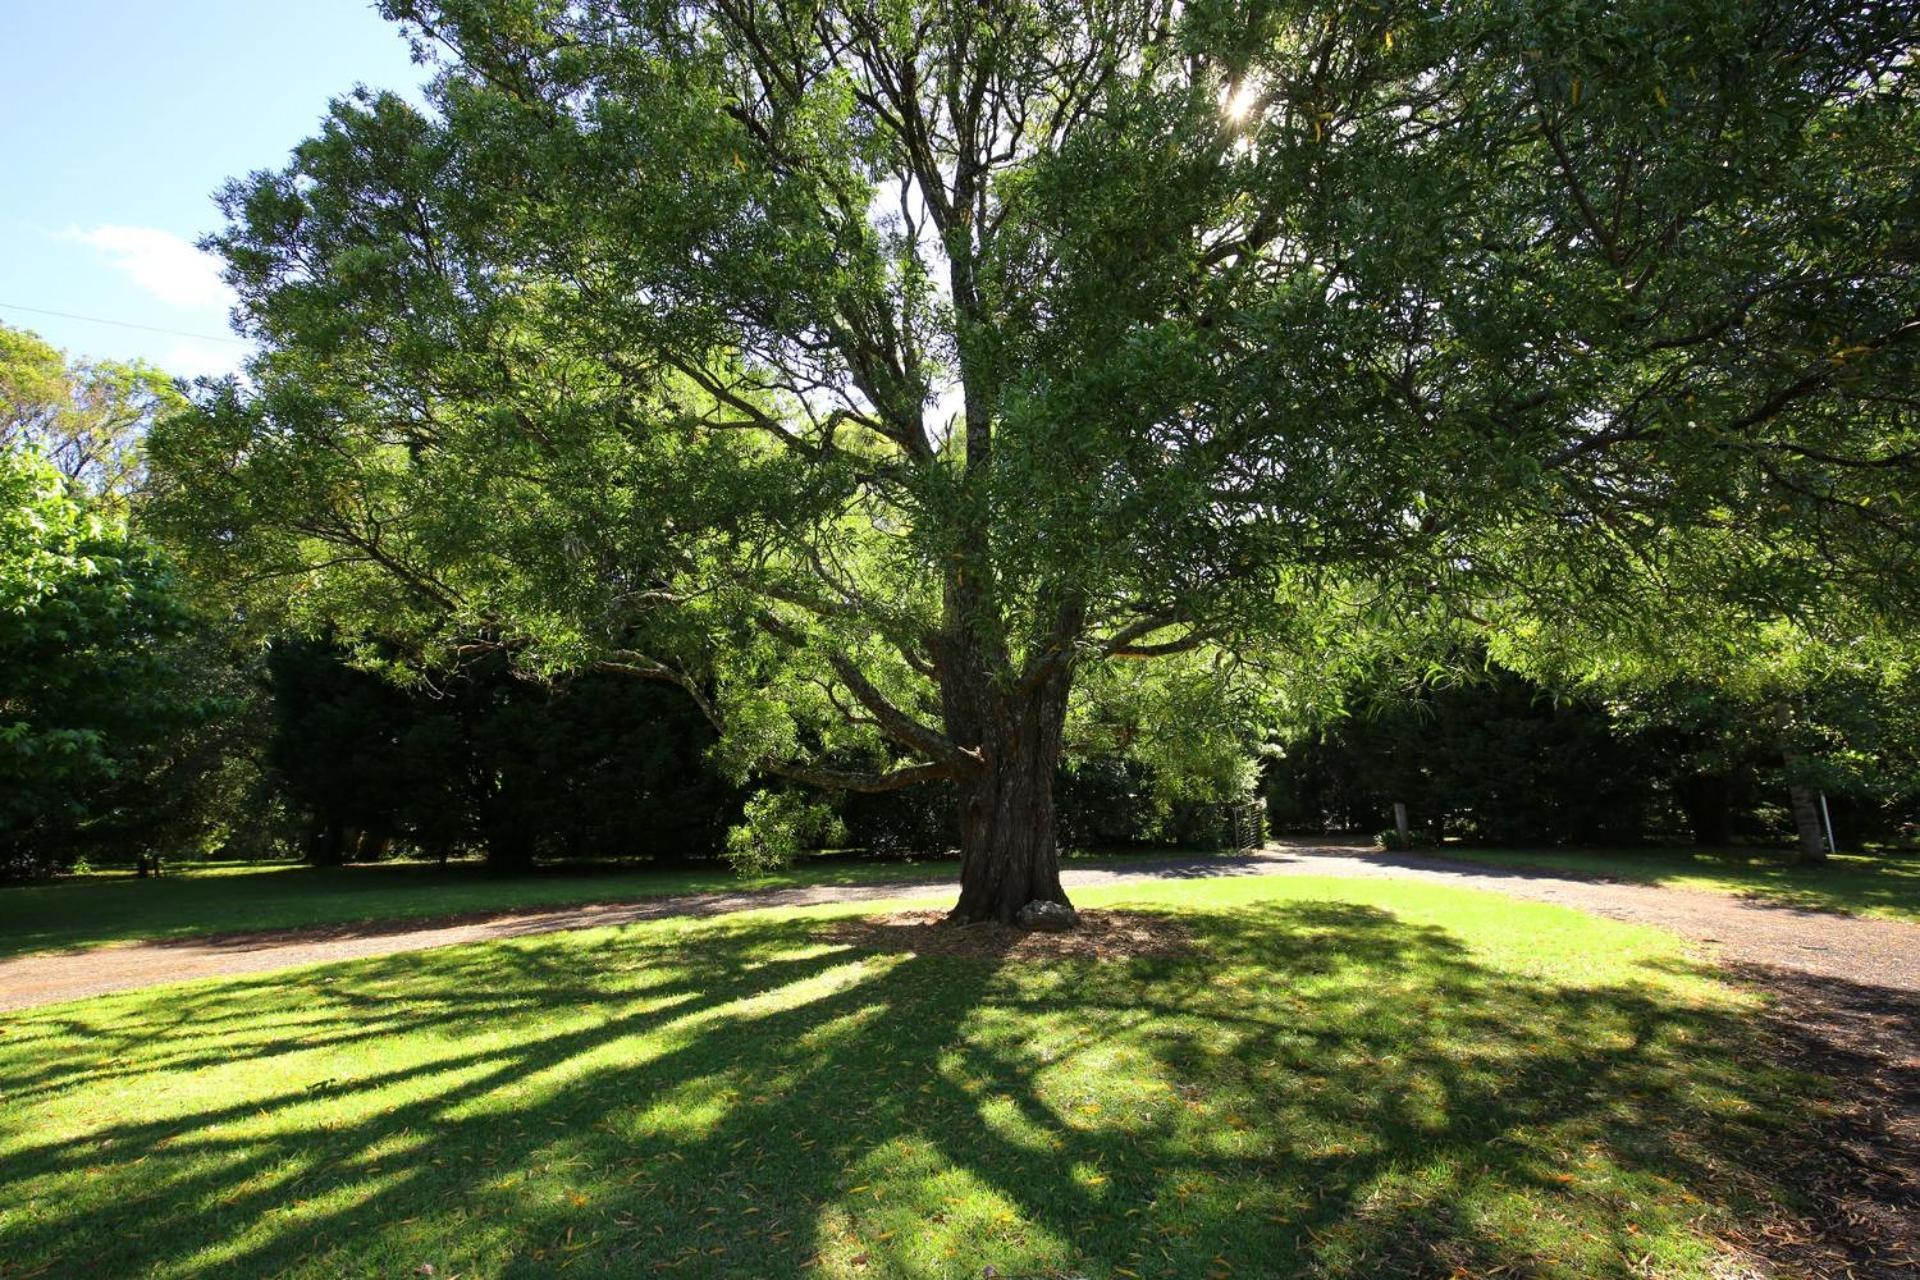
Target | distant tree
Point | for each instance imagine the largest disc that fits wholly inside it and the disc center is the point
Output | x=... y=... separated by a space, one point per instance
x=476 y=759
x=99 y=680
x=1847 y=737
x=88 y=418
x=1481 y=752
x=598 y=765
x=336 y=749
x=1493 y=757
x=885 y=375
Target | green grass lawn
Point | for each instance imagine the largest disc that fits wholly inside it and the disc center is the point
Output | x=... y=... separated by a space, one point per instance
x=1886 y=885
x=1341 y=1078
x=197 y=899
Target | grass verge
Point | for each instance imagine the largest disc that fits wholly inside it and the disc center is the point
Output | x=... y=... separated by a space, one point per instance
x=1337 y=1078
x=1884 y=885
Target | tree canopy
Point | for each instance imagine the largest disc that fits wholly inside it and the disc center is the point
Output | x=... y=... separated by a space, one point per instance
x=97 y=691
x=893 y=376
x=474 y=758
x=89 y=418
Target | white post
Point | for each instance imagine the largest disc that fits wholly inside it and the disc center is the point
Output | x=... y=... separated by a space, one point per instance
x=1400 y=824
x=1828 y=819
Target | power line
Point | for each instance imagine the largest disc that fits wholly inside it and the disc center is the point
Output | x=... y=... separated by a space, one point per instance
x=122 y=324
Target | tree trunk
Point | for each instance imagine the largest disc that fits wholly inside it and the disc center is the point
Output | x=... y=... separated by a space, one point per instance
x=509 y=846
x=1806 y=821
x=1007 y=719
x=1008 y=853
x=326 y=843
x=1800 y=798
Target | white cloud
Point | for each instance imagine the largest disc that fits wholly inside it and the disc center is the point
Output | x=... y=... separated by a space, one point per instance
x=195 y=357
x=166 y=266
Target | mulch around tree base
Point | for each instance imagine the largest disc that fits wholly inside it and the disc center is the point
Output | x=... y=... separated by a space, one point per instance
x=1100 y=935
x=1859 y=1165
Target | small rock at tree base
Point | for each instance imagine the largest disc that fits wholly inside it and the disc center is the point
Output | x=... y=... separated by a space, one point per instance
x=1047 y=917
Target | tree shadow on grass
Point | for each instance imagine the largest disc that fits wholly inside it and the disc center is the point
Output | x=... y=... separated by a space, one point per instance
x=1315 y=1088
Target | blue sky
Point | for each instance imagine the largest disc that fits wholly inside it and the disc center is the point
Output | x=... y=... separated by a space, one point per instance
x=119 y=119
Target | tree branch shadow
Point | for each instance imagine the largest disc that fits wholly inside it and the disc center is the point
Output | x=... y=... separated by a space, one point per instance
x=1315 y=1088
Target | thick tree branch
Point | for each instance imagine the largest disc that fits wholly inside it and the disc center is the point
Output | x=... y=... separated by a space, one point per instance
x=892 y=721
x=1124 y=642
x=644 y=668
x=867 y=783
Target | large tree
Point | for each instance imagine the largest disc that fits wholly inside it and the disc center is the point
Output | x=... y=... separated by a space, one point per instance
x=890 y=374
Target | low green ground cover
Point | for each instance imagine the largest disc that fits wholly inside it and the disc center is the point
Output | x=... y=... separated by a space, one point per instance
x=1338 y=1078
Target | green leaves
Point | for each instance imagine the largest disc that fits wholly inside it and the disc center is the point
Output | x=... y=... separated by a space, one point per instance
x=943 y=345
x=88 y=418
x=777 y=826
x=95 y=681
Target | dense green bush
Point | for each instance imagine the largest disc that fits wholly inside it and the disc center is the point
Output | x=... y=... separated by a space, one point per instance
x=779 y=823
x=921 y=820
x=105 y=691
x=1502 y=760
x=1416 y=838
x=1493 y=759
x=481 y=759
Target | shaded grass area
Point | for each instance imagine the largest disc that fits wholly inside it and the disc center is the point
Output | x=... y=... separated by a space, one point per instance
x=1886 y=885
x=1339 y=1078
x=198 y=899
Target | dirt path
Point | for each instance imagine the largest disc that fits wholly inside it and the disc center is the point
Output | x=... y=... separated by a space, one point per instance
x=1878 y=953
x=1861 y=949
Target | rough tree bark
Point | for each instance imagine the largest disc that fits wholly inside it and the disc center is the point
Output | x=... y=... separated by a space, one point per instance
x=1800 y=798
x=1008 y=855
x=1806 y=820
